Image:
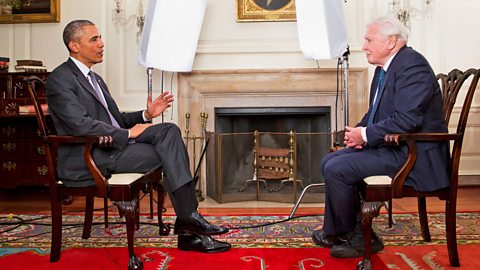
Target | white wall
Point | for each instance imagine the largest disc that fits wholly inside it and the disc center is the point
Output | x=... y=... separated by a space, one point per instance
x=448 y=39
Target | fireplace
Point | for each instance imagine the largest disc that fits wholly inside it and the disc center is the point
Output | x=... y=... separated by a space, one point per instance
x=232 y=174
x=238 y=94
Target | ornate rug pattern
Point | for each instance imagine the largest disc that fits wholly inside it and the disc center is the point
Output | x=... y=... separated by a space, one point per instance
x=290 y=239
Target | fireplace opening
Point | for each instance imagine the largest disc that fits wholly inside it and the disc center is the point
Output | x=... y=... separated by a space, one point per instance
x=240 y=132
x=272 y=119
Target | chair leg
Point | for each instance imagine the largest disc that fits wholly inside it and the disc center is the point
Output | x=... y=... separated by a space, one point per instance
x=87 y=223
x=56 y=244
x=164 y=229
x=390 y=213
x=422 y=214
x=369 y=210
x=105 y=211
x=129 y=209
x=137 y=217
x=151 y=203
x=451 y=226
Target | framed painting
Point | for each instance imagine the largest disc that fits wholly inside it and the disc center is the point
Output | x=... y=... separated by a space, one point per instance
x=29 y=11
x=265 y=10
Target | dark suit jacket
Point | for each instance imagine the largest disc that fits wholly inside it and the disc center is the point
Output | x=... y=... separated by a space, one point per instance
x=410 y=101
x=76 y=110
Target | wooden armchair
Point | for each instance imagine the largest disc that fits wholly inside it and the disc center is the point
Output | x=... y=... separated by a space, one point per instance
x=378 y=189
x=122 y=189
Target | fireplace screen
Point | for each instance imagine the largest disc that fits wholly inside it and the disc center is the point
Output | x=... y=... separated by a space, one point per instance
x=235 y=162
x=267 y=153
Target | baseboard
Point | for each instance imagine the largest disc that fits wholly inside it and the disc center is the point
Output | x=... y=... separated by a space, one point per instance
x=469 y=180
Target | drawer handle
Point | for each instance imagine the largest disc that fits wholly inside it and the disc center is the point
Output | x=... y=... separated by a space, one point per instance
x=42 y=170
x=9 y=131
x=9 y=147
x=41 y=150
x=9 y=166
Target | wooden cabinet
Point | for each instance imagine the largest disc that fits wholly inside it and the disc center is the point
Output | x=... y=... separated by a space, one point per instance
x=22 y=156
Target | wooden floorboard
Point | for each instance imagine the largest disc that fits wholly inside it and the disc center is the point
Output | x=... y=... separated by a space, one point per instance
x=36 y=200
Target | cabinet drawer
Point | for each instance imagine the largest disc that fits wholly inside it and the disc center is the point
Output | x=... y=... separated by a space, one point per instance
x=10 y=130
x=23 y=173
x=10 y=149
x=14 y=169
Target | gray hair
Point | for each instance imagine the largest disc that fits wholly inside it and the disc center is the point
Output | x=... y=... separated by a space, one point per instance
x=391 y=26
x=74 y=30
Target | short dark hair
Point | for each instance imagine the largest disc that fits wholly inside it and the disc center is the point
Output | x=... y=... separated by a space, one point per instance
x=73 y=31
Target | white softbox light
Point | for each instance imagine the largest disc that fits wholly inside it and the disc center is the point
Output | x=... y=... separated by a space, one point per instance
x=321 y=28
x=170 y=34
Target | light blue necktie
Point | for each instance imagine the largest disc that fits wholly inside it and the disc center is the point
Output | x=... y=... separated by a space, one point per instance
x=377 y=98
x=101 y=97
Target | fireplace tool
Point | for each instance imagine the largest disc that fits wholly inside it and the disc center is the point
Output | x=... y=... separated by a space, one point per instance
x=203 y=145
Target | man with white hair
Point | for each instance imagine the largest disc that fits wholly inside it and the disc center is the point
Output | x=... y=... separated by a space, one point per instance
x=404 y=98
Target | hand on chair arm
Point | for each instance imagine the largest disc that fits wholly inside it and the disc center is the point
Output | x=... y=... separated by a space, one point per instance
x=396 y=139
x=102 y=141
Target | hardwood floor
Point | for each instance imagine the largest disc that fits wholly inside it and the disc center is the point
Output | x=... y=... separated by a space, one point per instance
x=36 y=200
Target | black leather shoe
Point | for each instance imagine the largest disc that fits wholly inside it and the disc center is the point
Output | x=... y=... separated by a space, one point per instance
x=196 y=224
x=326 y=241
x=354 y=247
x=201 y=243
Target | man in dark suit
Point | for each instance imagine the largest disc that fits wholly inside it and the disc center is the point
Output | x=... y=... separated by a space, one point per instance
x=80 y=104
x=407 y=99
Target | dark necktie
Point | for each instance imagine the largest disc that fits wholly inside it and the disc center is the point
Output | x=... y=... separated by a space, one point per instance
x=377 y=98
x=101 y=97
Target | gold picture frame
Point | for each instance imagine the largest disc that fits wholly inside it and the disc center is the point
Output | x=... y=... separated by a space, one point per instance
x=265 y=10
x=29 y=11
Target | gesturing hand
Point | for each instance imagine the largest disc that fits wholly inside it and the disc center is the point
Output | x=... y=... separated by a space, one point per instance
x=159 y=105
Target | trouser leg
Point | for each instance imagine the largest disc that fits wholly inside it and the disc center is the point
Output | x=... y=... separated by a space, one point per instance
x=162 y=144
x=342 y=170
x=170 y=149
x=184 y=200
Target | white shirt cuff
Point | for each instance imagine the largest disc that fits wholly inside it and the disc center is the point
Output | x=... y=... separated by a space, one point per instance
x=143 y=116
x=364 y=134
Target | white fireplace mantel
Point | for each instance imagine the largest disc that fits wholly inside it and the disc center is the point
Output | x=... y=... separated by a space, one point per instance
x=202 y=91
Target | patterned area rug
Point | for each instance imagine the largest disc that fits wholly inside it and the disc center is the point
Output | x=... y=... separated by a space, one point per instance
x=284 y=245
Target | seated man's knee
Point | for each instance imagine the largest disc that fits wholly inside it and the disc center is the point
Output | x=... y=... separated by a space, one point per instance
x=172 y=128
x=332 y=170
x=323 y=164
x=176 y=129
x=326 y=159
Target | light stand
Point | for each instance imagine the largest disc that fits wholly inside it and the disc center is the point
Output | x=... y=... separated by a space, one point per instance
x=149 y=81
x=150 y=86
x=167 y=24
x=344 y=60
